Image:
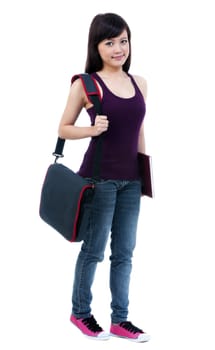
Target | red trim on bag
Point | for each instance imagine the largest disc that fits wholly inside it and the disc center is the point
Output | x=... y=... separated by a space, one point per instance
x=75 y=77
x=97 y=87
x=74 y=233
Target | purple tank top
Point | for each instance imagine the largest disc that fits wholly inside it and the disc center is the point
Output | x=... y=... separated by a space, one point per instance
x=120 y=141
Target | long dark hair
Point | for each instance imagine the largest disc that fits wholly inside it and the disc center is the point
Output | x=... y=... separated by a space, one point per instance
x=105 y=26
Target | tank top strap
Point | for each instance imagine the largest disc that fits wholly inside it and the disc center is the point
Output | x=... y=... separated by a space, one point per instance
x=97 y=77
x=134 y=83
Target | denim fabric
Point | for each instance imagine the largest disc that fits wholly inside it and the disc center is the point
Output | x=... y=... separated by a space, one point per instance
x=115 y=210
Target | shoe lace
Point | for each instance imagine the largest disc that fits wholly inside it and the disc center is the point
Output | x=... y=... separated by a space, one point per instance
x=130 y=327
x=91 y=324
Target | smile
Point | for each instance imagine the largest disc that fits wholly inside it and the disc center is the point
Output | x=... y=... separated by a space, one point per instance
x=118 y=57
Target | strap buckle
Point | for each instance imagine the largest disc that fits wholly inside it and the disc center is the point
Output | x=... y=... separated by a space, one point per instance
x=57 y=156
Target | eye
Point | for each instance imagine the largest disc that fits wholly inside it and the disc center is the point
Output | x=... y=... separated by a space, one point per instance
x=109 y=43
x=124 y=41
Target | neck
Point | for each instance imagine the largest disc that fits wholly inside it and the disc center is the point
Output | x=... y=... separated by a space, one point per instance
x=110 y=73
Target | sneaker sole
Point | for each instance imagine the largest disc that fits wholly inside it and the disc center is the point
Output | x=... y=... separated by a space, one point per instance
x=136 y=340
x=97 y=338
x=104 y=337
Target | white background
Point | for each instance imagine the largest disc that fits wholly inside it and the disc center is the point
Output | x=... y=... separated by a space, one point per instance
x=43 y=43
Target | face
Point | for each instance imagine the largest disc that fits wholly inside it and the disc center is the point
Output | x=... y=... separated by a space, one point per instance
x=114 y=51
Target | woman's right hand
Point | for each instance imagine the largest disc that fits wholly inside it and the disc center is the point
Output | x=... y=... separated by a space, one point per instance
x=100 y=125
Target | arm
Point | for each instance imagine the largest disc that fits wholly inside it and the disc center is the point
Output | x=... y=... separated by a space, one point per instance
x=142 y=84
x=77 y=100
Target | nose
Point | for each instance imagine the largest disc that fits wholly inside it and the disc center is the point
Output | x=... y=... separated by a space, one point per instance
x=118 y=47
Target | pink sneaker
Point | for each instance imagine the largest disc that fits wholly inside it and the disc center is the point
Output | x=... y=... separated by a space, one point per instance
x=90 y=327
x=128 y=331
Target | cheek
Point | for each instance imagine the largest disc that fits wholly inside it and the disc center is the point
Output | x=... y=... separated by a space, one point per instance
x=101 y=49
x=127 y=49
x=104 y=54
x=127 y=52
x=101 y=52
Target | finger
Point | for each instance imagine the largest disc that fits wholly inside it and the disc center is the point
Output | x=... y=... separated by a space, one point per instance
x=101 y=117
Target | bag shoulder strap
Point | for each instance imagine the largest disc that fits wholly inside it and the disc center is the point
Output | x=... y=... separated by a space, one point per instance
x=92 y=91
x=93 y=94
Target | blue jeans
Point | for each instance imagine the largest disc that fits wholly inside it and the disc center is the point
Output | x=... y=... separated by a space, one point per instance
x=115 y=210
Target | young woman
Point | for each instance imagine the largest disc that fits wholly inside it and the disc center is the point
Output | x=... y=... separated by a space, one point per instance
x=116 y=201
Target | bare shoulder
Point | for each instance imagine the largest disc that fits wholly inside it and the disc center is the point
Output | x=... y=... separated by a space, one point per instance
x=77 y=91
x=142 y=84
x=77 y=85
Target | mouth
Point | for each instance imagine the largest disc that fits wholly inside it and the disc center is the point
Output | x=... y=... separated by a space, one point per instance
x=118 y=58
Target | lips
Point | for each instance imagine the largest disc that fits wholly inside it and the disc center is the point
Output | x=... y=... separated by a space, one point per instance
x=118 y=57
